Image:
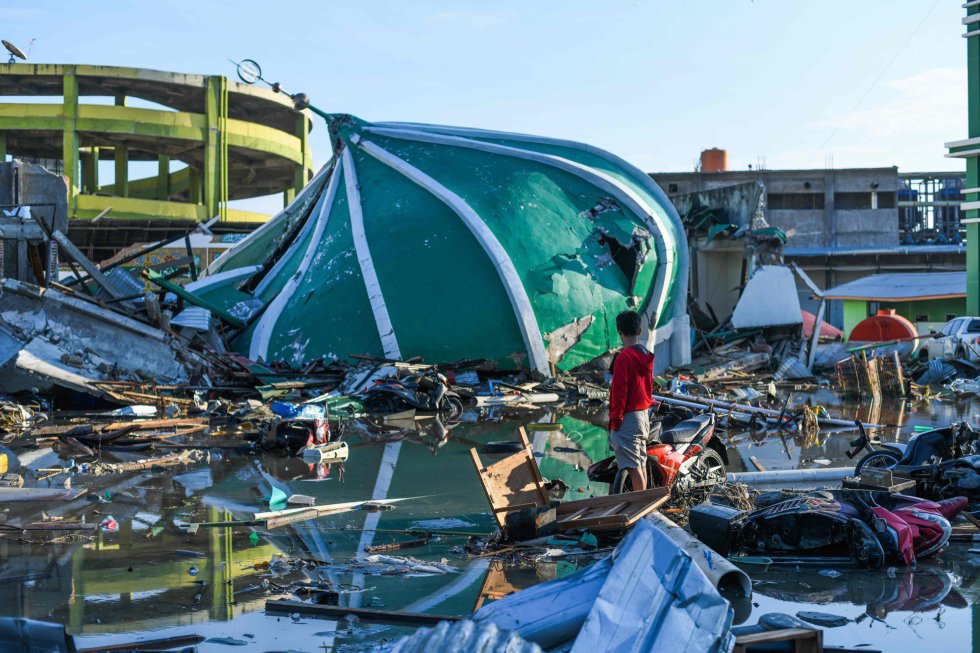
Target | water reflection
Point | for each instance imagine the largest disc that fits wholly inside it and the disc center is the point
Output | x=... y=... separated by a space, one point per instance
x=136 y=580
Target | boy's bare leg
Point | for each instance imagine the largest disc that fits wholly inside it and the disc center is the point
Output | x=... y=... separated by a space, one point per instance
x=637 y=478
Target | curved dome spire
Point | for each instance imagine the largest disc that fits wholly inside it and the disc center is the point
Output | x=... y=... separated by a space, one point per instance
x=450 y=243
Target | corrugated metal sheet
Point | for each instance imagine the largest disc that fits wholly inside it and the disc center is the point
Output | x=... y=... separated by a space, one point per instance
x=450 y=637
x=924 y=285
x=193 y=317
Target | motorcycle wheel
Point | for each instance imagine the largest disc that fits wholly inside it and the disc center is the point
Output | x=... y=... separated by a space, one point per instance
x=876 y=460
x=452 y=407
x=622 y=483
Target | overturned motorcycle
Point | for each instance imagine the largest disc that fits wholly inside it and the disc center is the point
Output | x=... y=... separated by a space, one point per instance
x=834 y=527
x=687 y=458
x=428 y=391
x=944 y=463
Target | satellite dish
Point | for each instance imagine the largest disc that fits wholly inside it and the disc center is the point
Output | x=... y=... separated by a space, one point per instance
x=248 y=71
x=15 y=52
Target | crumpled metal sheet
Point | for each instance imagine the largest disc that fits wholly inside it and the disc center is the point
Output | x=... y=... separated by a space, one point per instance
x=937 y=372
x=656 y=599
x=452 y=636
x=552 y=613
x=649 y=595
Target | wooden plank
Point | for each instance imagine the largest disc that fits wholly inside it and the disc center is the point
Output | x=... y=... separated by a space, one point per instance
x=613 y=512
x=511 y=483
x=364 y=614
x=147 y=644
x=578 y=513
x=76 y=255
x=39 y=494
x=759 y=466
x=804 y=639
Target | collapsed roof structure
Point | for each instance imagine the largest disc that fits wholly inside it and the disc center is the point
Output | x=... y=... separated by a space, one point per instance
x=450 y=243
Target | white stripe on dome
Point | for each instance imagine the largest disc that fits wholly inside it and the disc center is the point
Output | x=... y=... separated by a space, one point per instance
x=259 y=347
x=276 y=270
x=609 y=185
x=218 y=263
x=526 y=319
x=389 y=343
x=680 y=307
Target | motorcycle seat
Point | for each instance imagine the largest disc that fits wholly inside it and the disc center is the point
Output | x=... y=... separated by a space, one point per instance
x=685 y=431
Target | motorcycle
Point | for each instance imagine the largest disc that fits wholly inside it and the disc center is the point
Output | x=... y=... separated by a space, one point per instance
x=428 y=391
x=686 y=457
x=929 y=447
x=865 y=529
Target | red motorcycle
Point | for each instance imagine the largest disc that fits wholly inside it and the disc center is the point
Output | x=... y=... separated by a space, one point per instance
x=687 y=458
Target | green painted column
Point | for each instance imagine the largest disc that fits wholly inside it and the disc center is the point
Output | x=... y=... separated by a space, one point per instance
x=69 y=142
x=90 y=170
x=121 y=155
x=216 y=148
x=973 y=171
x=3 y=147
x=193 y=185
x=163 y=178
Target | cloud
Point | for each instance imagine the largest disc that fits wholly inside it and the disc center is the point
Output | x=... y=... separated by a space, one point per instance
x=903 y=122
x=933 y=101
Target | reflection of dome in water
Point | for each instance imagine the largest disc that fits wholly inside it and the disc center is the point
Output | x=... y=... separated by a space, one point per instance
x=451 y=243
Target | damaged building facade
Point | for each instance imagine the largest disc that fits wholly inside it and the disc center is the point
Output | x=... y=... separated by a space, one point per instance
x=449 y=243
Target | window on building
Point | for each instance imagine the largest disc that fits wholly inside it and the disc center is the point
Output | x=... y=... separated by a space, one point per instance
x=852 y=201
x=886 y=200
x=921 y=318
x=794 y=201
x=671 y=188
x=950 y=316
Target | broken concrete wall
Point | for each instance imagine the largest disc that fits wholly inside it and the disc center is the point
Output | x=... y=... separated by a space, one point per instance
x=50 y=339
x=29 y=193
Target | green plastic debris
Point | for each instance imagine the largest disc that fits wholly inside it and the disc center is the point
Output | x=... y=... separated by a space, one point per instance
x=254 y=538
x=588 y=541
x=564 y=568
x=277 y=498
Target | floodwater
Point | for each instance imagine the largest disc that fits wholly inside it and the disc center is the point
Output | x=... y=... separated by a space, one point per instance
x=152 y=579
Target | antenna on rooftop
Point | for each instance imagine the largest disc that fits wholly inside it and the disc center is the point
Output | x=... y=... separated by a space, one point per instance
x=250 y=72
x=15 y=52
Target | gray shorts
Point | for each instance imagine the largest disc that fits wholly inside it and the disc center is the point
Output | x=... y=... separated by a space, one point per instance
x=629 y=441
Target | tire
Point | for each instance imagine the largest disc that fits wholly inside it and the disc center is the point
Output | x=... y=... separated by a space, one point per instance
x=877 y=460
x=622 y=483
x=696 y=485
x=452 y=407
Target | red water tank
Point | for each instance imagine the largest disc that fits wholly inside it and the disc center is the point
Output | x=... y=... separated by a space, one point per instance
x=714 y=160
x=883 y=326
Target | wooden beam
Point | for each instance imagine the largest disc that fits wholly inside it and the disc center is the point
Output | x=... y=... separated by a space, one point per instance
x=87 y=265
x=364 y=614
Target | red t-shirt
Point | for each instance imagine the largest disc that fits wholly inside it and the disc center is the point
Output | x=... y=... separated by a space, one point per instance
x=632 y=384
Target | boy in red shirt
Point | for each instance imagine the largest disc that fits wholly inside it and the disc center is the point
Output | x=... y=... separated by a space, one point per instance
x=630 y=397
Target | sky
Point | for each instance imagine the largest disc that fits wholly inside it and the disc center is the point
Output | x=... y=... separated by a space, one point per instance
x=783 y=83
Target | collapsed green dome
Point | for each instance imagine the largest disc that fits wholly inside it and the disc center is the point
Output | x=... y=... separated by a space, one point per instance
x=451 y=243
